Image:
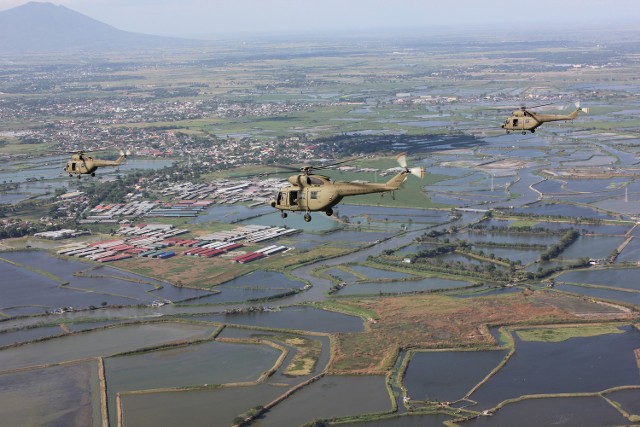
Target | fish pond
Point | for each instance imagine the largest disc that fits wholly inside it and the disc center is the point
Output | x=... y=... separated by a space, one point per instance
x=589 y=246
x=330 y=396
x=62 y=395
x=570 y=411
x=194 y=365
x=610 y=277
x=42 y=282
x=606 y=294
x=303 y=318
x=398 y=287
x=102 y=342
x=447 y=376
x=575 y=365
x=216 y=407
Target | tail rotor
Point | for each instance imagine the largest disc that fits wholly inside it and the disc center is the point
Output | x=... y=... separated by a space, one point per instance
x=416 y=171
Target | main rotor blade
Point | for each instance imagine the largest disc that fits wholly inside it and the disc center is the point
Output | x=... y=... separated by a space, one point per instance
x=335 y=164
x=538 y=106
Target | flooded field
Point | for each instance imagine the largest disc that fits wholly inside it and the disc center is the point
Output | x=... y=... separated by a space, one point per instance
x=405 y=286
x=330 y=396
x=564 y=210
x=513 y=238
x=25 y=335
x=575 y=365
x=622 y=295
x=44 y=283
x=612 y=277
x=298 y=317
x=103 y=342
x=195 y=365
x=631 y=252
x=525 y=256
x=230 y=213
x=251 y=287
x=376 y=273
x=320 y=222
x=63 y=395
x=596 y=247
x=206 y=363
x=447 y=376
x=570 y=411
x=213 y=407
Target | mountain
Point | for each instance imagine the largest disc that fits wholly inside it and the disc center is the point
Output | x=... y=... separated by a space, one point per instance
x=45 y=27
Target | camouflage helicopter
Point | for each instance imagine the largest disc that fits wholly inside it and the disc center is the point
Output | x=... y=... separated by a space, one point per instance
x=81 y=163
x=311 y=192
x=525 y=120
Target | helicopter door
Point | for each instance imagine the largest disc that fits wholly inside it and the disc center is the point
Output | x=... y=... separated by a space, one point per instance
x=515 y=123
x=73 y=166
x=293 y=198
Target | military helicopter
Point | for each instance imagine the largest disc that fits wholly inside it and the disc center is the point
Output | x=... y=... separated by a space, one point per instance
x=311 y=192
x=81 y=163
x=526 y=120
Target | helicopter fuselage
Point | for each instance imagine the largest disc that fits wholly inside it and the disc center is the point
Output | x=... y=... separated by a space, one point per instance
x=312 y=193
x=81 y=164
x=524 y=120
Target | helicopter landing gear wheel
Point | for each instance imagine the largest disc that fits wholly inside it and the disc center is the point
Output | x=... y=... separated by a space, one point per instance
x=524 y=132
x=79 y=176
x=93 y=174
x=307 y=217
x=283 y=214
x=329 y=212
x=70 y=175
x=533 y=130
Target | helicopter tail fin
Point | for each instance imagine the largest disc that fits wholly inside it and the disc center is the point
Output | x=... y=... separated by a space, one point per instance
x=395 y=182
x=120 y=159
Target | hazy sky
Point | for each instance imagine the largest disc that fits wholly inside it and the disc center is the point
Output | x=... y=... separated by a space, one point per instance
x=219 y=17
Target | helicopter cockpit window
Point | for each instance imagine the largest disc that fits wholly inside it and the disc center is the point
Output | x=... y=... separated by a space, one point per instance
x=315 y=181
x=515 y=122
x=314 y=194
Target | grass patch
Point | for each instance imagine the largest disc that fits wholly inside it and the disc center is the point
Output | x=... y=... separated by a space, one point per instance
x=563 y=334
x=307 y=353
x=523 y=223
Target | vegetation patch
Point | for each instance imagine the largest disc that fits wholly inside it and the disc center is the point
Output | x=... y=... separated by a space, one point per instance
x=437 y=321
x=564 y=333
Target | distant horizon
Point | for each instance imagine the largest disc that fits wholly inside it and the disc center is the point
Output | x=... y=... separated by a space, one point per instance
x=201 y=19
